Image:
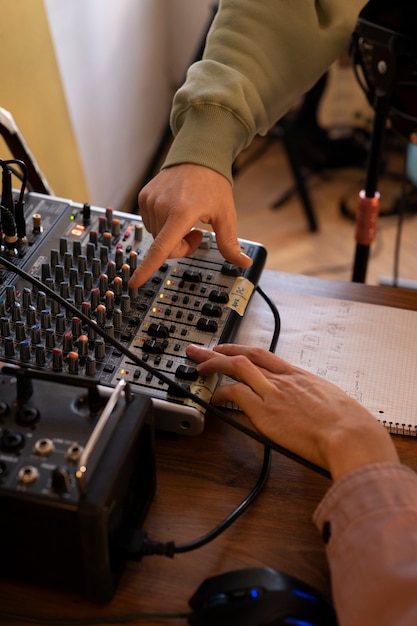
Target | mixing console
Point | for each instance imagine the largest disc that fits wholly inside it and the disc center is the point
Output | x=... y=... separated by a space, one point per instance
x=86 y=255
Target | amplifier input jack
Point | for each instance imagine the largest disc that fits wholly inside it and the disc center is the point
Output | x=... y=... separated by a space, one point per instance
x=27 y=474
x=43 y=447
x=73 y=453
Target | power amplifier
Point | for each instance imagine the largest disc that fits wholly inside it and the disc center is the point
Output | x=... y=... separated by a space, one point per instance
x=77 y=469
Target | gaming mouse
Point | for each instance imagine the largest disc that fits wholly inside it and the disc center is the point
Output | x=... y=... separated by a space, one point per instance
x=258 y=597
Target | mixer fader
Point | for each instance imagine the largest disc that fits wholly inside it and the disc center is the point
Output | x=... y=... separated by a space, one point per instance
x=86 y=255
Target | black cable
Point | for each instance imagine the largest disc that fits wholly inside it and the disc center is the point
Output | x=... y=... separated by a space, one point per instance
x=207 y=406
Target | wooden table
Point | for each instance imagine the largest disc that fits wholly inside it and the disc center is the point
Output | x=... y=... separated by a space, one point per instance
x=200 y=480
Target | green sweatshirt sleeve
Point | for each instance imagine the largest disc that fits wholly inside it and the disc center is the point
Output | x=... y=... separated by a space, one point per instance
x=260 y=56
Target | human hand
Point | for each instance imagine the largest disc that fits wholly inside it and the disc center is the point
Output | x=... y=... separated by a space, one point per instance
x=296 y=409
x=173 y=202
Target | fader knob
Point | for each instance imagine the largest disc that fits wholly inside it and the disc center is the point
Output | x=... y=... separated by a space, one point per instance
x=158 y=330
x=216 y=295
x=193 y=276
x=186 y=372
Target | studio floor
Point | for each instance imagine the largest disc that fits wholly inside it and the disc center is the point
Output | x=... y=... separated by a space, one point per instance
x=263 y=175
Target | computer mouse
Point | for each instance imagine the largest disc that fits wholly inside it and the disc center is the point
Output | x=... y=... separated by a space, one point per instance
x=258 y=597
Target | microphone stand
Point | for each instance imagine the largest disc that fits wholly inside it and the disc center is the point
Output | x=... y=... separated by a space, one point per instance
x=368 y=201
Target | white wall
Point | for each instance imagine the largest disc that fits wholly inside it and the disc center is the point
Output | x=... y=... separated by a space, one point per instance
x=119 y=63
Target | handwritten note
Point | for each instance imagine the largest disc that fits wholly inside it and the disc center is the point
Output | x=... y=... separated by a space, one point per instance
x=368 y=350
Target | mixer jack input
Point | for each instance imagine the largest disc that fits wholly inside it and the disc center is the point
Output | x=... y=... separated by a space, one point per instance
x=27 y=474
x=43 y=447
x=73 y=452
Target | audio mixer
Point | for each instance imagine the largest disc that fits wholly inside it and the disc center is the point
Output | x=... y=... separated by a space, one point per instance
x=85 y=255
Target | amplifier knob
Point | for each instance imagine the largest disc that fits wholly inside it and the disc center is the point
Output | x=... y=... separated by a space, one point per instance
x=90 y=366
x=82 y=263
x=26 y=297
x=9 y=351
x=16 y=312
x=20 y=331
x=5 y=327
x=73 y=363
x=40 y=355
x=111 y=270
x=57 y=359
x=24 y=351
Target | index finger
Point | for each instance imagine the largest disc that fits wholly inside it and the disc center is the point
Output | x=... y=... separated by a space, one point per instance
x=165 y=245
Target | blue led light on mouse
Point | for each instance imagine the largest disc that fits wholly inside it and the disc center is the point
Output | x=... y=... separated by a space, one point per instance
x=258 y=597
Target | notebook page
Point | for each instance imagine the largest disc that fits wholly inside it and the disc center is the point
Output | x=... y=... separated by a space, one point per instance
x=368 y=350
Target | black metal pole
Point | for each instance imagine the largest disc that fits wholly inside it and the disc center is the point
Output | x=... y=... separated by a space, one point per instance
x=368 y=205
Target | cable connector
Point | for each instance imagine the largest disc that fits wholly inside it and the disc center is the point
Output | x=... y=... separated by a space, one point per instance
x=135 y=543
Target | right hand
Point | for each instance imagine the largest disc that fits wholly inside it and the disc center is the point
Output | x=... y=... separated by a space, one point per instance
x=173 y=202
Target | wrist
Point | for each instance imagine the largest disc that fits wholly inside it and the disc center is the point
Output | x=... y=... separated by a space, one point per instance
x=356 y=446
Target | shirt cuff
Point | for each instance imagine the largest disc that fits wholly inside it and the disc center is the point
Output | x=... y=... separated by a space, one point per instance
x=364 y=491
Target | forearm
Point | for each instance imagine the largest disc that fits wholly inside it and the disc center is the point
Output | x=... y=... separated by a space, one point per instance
x=369 y=520
x=259 y=58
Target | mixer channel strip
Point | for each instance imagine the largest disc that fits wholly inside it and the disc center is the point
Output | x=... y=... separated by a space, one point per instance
x=87 y=255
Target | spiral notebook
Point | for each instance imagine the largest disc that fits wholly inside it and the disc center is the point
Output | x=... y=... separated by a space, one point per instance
x=368 y=350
